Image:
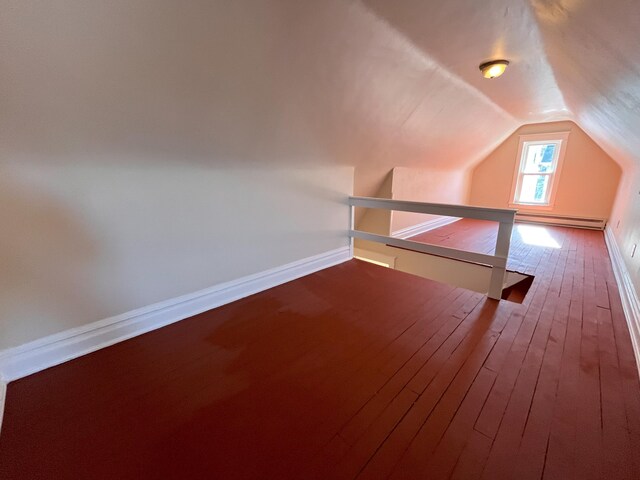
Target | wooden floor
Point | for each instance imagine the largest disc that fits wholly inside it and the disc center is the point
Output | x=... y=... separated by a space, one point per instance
x=355 y=372
x=480 y=236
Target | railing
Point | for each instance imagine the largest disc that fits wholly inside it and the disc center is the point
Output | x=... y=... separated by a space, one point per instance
x=498 y=261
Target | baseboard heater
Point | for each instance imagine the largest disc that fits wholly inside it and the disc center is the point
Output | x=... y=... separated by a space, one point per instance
x=562 y=221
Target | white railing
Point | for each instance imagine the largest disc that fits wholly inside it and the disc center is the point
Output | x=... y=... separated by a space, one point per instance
x=498 y=261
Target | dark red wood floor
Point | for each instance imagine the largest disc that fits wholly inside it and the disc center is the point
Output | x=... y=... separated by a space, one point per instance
x=354 y=372
x=480 y=236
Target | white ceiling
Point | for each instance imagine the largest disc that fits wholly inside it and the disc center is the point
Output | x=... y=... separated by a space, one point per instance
x=370 y=83
x=570 y=59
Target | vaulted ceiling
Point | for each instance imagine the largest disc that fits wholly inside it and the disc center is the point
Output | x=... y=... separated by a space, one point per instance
x=370 y=83
x=570 y=59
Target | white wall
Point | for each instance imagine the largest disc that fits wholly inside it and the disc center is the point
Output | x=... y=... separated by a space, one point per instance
x=125 y=125
x=422 y=185
x=86 y=241
x=626 y=223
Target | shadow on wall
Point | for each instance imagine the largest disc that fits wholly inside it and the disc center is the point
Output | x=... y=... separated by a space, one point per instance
x=43 y=253
x=132 y=235
x=229 y=83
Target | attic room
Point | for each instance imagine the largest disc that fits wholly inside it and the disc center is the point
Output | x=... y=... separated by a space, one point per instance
x=286 y=240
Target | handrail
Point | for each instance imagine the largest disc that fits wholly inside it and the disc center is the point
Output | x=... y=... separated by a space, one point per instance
x=498 y=261
x=439 y=250
x=463 y=211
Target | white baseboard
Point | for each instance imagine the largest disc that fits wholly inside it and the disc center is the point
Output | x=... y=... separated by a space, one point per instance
x=423 y=227
x=3 y=395
x=628 y=295
x=561 y=220
x=35 y=356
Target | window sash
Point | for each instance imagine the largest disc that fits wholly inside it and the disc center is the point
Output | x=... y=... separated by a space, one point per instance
x=525 y=152
x=551 y=175
x=547 y=192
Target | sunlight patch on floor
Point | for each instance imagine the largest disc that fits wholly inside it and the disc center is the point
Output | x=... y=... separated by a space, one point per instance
x=537 y=235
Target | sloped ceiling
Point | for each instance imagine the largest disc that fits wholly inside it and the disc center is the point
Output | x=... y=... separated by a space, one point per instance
x=234 y=83
x=594 y=49
x=570 y=59
x=370 y=83
x=461 y=34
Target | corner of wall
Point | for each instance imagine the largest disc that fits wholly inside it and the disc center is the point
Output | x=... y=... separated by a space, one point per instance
x=375 y=220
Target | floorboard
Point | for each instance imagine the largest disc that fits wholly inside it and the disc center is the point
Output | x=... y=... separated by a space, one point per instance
x=358 y=371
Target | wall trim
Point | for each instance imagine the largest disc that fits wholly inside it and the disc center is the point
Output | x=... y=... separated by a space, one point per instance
x=52 y=350
x=423 y=227
x=3 y=395
x=561 y=220
x=628 y=294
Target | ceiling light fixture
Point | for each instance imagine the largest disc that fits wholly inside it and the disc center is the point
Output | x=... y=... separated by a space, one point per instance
x=494 y=68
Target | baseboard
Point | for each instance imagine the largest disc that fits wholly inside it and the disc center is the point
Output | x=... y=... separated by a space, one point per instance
x=561 y=220
x=423 y=227
x=3 y=395
x=628 y=295
x=40 y=354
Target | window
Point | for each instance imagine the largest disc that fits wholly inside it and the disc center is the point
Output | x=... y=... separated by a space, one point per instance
x=538 y=169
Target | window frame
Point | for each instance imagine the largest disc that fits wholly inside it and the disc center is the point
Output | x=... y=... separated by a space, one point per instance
x=561 y=139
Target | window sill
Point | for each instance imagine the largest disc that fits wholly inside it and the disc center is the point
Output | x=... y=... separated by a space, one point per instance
x=531 y=206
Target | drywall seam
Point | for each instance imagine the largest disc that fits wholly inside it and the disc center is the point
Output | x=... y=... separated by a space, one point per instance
x=628 y=295
x=49 y=351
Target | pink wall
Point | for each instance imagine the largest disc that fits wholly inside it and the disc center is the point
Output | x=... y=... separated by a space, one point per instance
x=426 y=185
x=587 y=184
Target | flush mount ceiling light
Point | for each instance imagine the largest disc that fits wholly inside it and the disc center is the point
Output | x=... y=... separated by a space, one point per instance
x=494 y=68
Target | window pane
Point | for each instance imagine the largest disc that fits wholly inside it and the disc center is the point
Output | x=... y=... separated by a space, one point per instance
x=539 y=158
x=534 y=189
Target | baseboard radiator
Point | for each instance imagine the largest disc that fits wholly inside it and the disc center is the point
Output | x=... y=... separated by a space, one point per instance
x=562 y=221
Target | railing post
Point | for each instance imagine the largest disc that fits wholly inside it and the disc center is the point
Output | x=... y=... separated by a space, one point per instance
x=498 y=261
x=503 y=243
